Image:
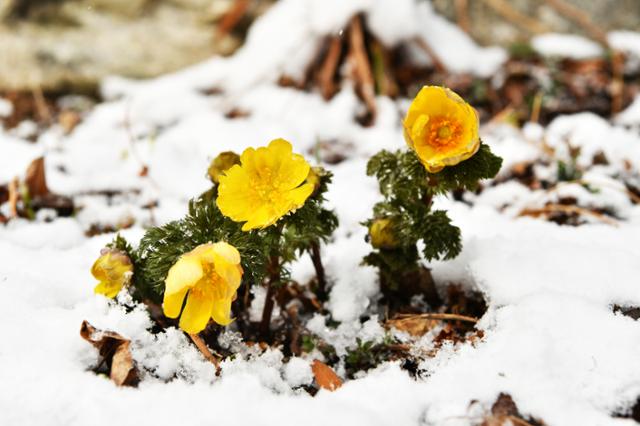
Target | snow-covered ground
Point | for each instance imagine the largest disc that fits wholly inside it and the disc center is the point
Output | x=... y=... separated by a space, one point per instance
x=552 y=340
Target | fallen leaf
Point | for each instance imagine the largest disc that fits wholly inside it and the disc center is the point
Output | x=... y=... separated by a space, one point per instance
x=115 y=351
x=414 y=325
x=325 y=377
x=35 y=178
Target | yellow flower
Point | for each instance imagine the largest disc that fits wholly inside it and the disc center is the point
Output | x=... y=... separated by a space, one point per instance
x=114 y=270
x=209 y=277
x=441 y=128
x=223 y=162
x=382 y=234
x=267 y=185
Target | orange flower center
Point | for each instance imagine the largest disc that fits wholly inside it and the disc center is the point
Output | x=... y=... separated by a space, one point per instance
x=443 y=132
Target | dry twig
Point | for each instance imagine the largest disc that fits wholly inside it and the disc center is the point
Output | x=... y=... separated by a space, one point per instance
x=555 y=208
x=439 y=316
x=328 y=68
x=361 y=68
x=462 y=15
x=580 y=18
x=204 y=350
x=504 y=8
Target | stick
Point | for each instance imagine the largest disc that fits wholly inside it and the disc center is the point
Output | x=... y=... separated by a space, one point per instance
x=13 y=198
x=437 y=316
x=328 y=68
x=437 y=63
x=551 y=208
x=269 y=302
x=580 y=18
x=232 y=18
x=41 y=104
x=317 y=264
x=504 y=8
x=204 y=350
x=362 y=73
x=462 y=15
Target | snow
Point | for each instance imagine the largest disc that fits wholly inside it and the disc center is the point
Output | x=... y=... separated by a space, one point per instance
x=625 y=41
x=566 y=45
x=552 y=340
x=6 y=108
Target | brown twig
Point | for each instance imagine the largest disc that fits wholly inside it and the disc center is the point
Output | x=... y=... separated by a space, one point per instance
x=504 y=8
x=231 y=19
x=13 y=197
x=554 y=208
x=269 y=301
x=361 y=68
x=327 y=72
x=438 y=316
x=320 y=274
x=580 y=18
x=41 y=104
x=437 y=62
x=204 y=350
x=617 y=81
x=462 y=15
x=144 y=169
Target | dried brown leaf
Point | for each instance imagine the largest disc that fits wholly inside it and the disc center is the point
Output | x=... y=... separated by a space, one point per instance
x=35 y=178
x=115 y=351
x=415 y=325
x=325 y=377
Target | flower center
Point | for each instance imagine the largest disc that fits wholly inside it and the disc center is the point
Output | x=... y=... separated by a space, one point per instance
x=210 y=285
x=266 y=186
x=443 y=132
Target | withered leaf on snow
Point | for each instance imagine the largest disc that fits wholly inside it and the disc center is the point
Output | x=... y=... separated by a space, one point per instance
x=325 y=377
x=115 y=352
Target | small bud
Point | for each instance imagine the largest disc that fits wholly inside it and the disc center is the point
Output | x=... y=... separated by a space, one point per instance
x=223 y=162
x=113 y=269
x=382 y=234
x=314 y=178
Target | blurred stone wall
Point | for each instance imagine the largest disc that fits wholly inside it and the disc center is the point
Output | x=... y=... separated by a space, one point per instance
x=72 y=44
x=490 y=21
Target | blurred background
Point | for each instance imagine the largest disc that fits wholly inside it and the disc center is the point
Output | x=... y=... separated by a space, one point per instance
x=69 y=45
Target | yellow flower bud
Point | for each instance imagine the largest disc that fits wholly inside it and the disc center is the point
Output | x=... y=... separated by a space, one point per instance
x=382 y=234
x=113 y=269
x=313 y=178
x=223 y=162
x=441 y=128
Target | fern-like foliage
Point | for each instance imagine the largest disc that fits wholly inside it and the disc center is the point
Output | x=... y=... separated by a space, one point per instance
x=161 y=246
x=407 y=189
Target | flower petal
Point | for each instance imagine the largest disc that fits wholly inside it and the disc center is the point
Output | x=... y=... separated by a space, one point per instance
x=221 y=312
x=108 y=289
x=172 y=304
x=185 y=273
x=196 y=313
x=299 y=195
x=226 y=251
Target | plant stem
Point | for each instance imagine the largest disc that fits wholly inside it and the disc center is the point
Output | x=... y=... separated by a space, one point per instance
x=269 y=302
x=320 y=275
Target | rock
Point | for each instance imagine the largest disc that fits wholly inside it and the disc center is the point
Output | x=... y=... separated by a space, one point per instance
x=71 y=45
x=490 y=27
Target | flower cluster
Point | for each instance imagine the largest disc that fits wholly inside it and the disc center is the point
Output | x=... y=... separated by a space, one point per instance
x=265 y=208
